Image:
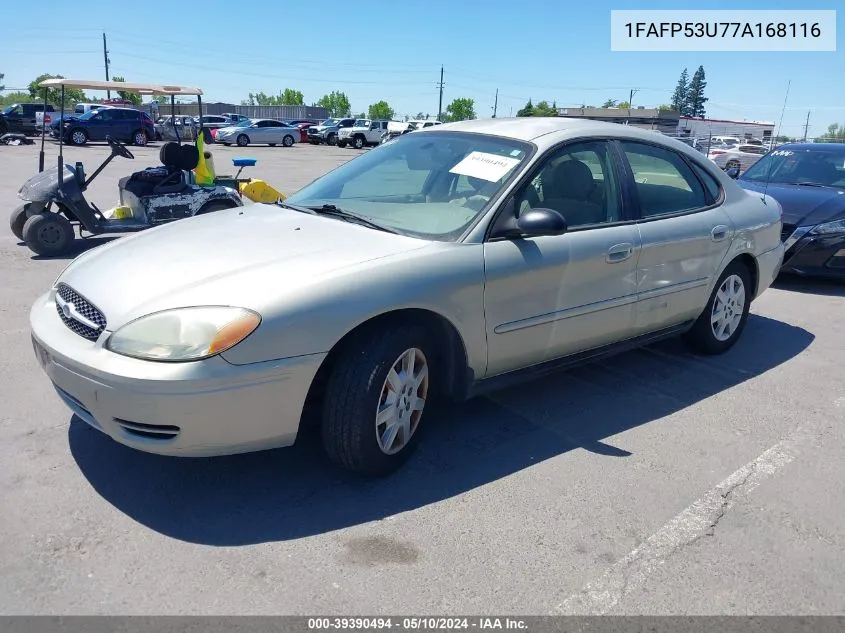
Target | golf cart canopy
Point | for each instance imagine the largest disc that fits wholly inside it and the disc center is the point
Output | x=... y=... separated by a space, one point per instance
x=142 y=89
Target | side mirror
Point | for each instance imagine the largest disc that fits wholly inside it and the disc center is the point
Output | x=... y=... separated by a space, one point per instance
x=732 y=172
x=533 y=223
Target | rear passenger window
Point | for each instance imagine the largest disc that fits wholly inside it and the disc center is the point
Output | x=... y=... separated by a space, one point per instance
x=664 y=182
x=710 y=183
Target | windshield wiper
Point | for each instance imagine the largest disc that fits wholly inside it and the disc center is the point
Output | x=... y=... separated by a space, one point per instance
x=336 y=212
x=295 y=207
x=811 y=184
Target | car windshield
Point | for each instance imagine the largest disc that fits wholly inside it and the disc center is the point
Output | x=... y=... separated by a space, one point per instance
x=329 y=122
x=87 y=115
x=431 y=185
x=822 y=166
x=10 y=109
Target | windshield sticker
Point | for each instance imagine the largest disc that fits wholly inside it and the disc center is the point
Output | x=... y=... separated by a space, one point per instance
x=782 y=152
x=490 y=167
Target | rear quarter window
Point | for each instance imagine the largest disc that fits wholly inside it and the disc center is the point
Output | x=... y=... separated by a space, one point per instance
x=711 y=185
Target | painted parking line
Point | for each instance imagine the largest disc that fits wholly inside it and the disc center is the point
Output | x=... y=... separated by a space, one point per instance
x=698 y=520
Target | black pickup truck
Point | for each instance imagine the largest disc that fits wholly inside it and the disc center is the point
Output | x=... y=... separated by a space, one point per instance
x=21 y=118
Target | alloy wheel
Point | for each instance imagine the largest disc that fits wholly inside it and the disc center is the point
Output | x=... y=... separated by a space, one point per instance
x=401 y=401
x=728 y=308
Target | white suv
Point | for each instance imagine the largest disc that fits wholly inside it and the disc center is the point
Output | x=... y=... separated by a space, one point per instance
x=363 y=132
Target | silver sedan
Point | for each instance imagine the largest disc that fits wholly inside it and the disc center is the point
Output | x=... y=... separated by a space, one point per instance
x=453 y=261
x=258 y=131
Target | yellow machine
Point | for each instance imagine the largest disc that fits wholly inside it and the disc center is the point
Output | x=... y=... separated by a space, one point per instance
x=252 y=188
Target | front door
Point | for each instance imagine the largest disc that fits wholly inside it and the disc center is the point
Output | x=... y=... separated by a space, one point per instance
x=548 y=297
x=685 y=235
x=101 y=125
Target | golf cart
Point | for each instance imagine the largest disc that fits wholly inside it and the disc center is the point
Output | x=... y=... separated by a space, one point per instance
x=54 y=199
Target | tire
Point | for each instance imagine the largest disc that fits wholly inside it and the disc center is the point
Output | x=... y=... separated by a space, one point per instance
x=341 y=143
x=357 y=385
x=707 y=335
x=48 y=234
x=331 y=139
x=288 y=141
x=216 y=205
x=242 y=140
x=78 y=136
x=358 y=142
x=18 y=219
x=139 y=138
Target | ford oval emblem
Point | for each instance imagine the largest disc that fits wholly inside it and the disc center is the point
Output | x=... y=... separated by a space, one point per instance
x=66 y=310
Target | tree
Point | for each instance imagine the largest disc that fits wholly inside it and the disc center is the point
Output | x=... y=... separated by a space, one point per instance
x=361 y=115
x=543 y=109
x=420 y=115
x=380 y=110
x=2 y=87
x=337 y=103
x=666 y=108
x=527 y=110
x=54 y=95
x=835 y=134
x=461 y=109
x=624 y=105
x=610 y=103
x=291 y=97
x=695 y=97
x=680 y=97
x=127 y=96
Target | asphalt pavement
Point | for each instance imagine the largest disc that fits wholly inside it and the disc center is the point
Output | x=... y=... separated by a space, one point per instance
x=656 y=482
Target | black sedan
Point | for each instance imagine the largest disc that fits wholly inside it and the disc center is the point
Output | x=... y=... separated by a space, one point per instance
x=808 y=180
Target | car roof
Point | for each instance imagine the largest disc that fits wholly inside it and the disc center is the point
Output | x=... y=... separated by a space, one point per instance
x=550 y=129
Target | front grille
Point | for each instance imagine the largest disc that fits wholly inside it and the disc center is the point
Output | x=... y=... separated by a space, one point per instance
x=83 y=307
x=786 y=232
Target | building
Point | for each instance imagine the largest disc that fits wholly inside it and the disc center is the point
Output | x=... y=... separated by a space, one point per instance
x=707 y=128
x=665 y=121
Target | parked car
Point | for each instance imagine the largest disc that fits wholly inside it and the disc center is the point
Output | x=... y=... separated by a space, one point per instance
x=326 y=131
x=167 y=127
x=455 y=261
x=212 y=121
x=297 y=122
x=127 y=125
x=740 y=157
x=363 y=133
x=23 y=118
x=235 y=118
x=808 y=180
x=258 y=132
x=421 y=124
x=303 y=131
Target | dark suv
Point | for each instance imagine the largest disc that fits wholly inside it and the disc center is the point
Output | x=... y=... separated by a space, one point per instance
x=126 y=125
x=19 y=118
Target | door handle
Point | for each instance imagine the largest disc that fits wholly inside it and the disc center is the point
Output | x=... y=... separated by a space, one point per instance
x=619 y=253
x=719 y=233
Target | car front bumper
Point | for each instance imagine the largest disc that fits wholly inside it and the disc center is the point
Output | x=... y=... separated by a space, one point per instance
x=814 y=255
x=195 y=409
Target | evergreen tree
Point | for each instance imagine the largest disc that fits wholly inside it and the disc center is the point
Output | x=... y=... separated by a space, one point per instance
x=679 y=97
x=695 y=96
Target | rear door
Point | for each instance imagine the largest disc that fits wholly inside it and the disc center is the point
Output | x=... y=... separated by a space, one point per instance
x=100 y=125
x=684 y=231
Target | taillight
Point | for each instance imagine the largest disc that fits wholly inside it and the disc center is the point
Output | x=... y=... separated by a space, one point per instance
x=716 y=152
x=47 y=119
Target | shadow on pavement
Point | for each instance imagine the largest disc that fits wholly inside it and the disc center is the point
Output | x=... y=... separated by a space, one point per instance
x=811 y=285
x=79 y=246
x=294 y=492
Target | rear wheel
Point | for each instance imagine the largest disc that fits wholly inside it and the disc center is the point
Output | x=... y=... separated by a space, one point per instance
x=288 y=141
x=242 y=140
x=18 y=219
x=724 y=318
x=139 y=138
x=78 y=136
x=48 y=234
x=331 y=139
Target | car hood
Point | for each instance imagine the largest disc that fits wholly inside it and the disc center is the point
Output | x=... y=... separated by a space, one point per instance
x=802 y=205
x=250 y=256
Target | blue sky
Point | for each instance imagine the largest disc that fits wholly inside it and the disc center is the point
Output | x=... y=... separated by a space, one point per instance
x=543 y=49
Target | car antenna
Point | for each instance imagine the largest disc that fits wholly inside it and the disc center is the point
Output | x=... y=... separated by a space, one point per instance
x=780 y=127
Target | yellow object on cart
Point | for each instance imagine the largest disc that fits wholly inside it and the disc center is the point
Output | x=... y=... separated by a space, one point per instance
x=121 y=213
x=260 y=191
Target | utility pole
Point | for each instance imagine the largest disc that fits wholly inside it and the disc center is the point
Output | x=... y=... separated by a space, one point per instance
x=440 y=106
x=806 y=127
x=631 y=101
x=106 y=61
x=496 y=103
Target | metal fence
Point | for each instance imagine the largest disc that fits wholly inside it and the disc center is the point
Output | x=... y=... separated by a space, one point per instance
x=253 y=112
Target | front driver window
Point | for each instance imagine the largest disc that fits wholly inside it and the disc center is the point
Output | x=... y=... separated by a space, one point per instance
x=579 y=182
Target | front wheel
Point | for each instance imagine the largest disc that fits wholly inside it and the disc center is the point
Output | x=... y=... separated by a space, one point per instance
x=358 y=142
x=78 y=136
x=48 y=234
x=720 y=325
x=288 y=141
x=331 y=139
x=18 y=219
x=243 y=140
x=375 y=399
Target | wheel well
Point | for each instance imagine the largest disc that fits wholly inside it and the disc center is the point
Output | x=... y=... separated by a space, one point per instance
x=750 y=263
x=450 y=353
x=216 y=205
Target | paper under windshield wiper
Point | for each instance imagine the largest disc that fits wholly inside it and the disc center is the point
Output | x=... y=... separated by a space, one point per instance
x=336 y=212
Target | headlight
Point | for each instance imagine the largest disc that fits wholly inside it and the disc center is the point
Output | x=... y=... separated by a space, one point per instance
x=184 y=334
x=828 y=228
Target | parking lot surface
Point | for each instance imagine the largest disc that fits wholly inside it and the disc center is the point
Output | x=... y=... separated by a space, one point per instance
x=656 y=482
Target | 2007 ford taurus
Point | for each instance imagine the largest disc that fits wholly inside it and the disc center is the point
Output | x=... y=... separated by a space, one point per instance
x=452 y=261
